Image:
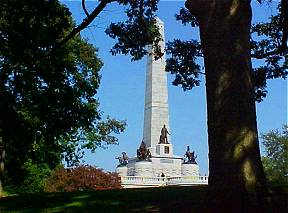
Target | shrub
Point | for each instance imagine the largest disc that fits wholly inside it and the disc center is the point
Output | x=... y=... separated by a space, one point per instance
x=81 y=178
x=32 y=178
x=275 y=162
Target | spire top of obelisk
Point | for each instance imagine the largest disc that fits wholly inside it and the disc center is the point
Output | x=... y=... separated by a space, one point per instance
x=159 y=21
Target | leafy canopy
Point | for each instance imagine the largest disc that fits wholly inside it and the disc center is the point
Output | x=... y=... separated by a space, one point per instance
x=268 y=44
x=275 y=161
x=139 y=30
x=49 y=109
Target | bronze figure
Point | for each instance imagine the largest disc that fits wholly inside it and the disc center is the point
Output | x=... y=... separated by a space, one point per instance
x=190 y=157
x=164 y=135
x=143 y=153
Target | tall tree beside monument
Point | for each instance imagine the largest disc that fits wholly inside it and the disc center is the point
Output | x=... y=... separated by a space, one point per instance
x=234 y=159
x=236 y=176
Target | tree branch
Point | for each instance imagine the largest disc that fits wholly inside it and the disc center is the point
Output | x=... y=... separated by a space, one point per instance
x=284 y=24
x=264 y=55
x=284 y=20
x=85 y=22
x=197 y=7
x=141 y=8
x=84 y=8
x=201 y=73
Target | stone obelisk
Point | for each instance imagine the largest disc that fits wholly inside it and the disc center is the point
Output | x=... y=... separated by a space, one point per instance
x=156 y=113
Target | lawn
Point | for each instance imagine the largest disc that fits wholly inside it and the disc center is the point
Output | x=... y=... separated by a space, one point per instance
x=125 y=200
x=165 y=199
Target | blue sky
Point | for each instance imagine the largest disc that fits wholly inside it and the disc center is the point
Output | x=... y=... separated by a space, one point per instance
x=121 y=93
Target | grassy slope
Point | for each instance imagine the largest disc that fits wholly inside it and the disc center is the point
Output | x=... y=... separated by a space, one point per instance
x=168 y=199
x=135 y=200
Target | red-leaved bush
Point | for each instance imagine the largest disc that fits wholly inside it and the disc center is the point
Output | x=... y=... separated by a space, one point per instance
x=81 y=178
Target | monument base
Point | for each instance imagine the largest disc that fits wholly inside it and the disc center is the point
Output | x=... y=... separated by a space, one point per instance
x=157 y=166
x=159 y=172
x=190 y=169
x=122 y=170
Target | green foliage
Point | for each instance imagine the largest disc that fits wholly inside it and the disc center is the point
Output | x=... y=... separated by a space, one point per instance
x=81 y=178
x=49 y=109
x=275 y=63
x=138 y=31
x=34 y=177
x=276 y=160
x=186 y=17
x=267 y=43
x=182 y=62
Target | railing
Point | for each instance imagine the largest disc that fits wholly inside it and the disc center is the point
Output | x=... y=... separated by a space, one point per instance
x=187 y=180
x=138 y=181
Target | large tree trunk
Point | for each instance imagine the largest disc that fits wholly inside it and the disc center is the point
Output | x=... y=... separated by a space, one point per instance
x=2 y=161
x=236 y=178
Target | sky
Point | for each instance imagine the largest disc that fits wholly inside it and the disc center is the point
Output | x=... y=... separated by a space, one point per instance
x=121 y=93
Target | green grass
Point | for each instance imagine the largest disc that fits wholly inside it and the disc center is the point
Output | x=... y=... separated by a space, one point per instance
x=124 y=200
x=166 y=199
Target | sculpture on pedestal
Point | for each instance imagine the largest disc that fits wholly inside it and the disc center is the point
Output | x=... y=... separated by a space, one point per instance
x=164 y=135
x=190 y=157
x=123 y=160
x=143 y=153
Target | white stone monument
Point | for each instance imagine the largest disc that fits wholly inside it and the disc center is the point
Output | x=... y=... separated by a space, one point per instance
x=156 y=112
x=161 y=162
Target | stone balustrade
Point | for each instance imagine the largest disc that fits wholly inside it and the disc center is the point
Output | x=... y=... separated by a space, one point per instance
x=139 y=182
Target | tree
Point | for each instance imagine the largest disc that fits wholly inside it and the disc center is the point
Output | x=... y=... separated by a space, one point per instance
x=275 y=161
x=133 y=35
x=49 y=109
x=236 y=177
x=234 y=158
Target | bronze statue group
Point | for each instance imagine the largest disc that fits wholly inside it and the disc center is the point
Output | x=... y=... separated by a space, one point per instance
x=143 y=153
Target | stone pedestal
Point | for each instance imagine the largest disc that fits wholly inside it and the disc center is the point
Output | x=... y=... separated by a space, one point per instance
x=164 y=150
x=169 y=166
x=122 y=170
x=143 y=169
x=190 y=170
x=152 y=150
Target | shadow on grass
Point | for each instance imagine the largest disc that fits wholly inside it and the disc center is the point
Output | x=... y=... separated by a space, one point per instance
x=168 y=199
x=165 y=199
